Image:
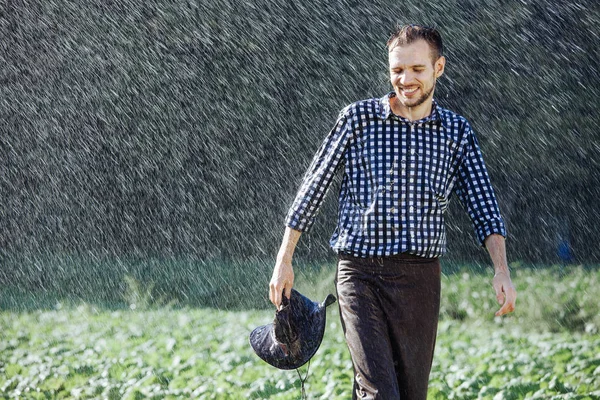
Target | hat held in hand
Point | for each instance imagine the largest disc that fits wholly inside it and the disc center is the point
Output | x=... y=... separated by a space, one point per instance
x=295 y=334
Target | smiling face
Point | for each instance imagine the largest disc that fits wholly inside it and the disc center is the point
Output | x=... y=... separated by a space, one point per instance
x=413 y=75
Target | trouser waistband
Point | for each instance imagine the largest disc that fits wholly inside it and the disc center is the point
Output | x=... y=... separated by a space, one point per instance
x=380 y=260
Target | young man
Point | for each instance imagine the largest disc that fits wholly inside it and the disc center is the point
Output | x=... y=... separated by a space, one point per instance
x=402 y=157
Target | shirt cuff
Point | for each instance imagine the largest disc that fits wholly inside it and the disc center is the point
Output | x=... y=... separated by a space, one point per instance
x=299 y=224
x=488 y=228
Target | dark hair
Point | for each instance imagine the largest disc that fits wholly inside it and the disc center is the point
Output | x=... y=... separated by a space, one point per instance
x=408 y=34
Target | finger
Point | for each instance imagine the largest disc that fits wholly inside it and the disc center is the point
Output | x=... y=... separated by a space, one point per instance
x=275 y=295
x=509 y=304
x=511 y=298
x=500 y=298
x=288 y=289
x=284 y=292
x=511 y=295
x=499 y=294
x=506 y=308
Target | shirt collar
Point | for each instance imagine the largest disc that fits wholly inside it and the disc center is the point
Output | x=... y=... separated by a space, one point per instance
x=385 y=110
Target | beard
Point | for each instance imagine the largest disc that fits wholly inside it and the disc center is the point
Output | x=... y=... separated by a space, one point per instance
x=418 y=101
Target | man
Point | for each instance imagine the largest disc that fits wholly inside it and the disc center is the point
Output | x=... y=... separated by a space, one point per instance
x=402 y=157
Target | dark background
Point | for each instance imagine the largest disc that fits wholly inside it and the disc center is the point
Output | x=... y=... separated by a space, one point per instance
x=181 y=129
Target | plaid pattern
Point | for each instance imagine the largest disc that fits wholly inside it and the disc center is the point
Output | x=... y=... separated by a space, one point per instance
x=398 y=176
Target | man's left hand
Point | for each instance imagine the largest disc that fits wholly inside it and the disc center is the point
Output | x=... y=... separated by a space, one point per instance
x=506 y=293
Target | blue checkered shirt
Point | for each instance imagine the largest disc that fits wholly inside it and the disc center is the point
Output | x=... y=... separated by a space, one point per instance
x=398 y=177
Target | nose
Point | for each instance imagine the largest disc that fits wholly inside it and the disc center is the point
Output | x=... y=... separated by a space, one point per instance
x=404 y=78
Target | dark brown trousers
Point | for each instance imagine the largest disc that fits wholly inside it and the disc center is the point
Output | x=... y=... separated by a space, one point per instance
x=389 y=308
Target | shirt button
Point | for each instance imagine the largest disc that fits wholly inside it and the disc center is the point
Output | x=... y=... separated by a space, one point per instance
x=412 y=151
x=412 y=180
x=412 y=209
x=392 y=210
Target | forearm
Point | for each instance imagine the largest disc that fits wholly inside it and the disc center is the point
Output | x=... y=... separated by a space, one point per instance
x=288 y=244
x=495 y=245
x=506 y=293
x=283 y=273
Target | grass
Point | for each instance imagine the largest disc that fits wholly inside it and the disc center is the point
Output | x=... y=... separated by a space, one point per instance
x=551 y=299
x=143 y=343
x=554 y=298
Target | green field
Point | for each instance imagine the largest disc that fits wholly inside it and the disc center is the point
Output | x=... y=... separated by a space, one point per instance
x=550 y=348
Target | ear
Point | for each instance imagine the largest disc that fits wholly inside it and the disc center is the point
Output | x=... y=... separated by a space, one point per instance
x=439 y=65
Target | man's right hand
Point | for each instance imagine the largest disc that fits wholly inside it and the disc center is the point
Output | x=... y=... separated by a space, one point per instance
x=282 y=279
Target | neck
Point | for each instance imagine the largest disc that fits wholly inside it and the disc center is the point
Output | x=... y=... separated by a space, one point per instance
x=411 y=113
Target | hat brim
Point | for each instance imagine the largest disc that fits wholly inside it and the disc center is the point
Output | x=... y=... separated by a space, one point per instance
x=262 y=340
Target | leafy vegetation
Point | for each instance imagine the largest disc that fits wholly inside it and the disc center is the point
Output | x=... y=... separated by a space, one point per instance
x=167 y=352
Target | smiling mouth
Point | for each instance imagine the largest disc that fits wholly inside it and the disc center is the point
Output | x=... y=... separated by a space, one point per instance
x=409 y=91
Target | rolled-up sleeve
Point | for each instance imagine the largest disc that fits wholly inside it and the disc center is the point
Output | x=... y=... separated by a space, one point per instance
x=319 y=175
x=475 y=192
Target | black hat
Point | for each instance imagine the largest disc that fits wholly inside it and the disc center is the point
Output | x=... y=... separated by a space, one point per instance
x=295 y=334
